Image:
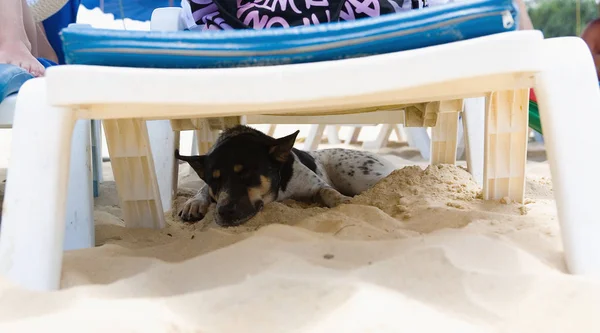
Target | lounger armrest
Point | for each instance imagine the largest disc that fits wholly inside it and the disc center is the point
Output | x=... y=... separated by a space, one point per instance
x=166 y=19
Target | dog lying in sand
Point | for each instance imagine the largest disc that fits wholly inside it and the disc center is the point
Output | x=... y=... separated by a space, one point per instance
x=246 y=169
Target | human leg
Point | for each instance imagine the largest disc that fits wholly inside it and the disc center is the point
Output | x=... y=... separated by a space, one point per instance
x=55 y=23
x=18 y=36
x=44 y=49
x=524 y=19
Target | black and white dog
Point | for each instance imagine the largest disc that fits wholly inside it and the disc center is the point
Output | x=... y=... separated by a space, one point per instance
x=246 y=169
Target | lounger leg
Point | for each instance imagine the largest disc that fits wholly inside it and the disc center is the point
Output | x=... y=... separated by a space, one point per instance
x=417 y=137
x=444 y=137
x=33 y=223
x=569 y=103
x=382 y=138
x=271 y=131
x=460 y=143
x=96 y=128
x=333 y=137
x=206 y=138
x=352 y=137
x=135 y=176
x=400 y=133
x=163 y=147
x=194 y=150
x=314 y=137
x=473 y=125
x=505 y=153
x=203 y=139
x=175 y=172
x=80 y=202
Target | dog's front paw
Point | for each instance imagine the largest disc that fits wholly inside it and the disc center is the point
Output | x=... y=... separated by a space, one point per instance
x=332 y=198
x=194 y=210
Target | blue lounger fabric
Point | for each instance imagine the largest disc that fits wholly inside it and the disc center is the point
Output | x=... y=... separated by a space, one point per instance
x=236 y=48
x=12 y=77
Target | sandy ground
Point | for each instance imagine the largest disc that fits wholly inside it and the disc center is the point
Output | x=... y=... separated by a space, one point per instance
x=420 y=252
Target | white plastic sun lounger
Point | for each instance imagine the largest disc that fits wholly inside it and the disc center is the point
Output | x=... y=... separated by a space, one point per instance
x=425 y=62
x=79 y=219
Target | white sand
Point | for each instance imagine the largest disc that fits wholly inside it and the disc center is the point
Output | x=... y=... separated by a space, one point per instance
x=418 y=253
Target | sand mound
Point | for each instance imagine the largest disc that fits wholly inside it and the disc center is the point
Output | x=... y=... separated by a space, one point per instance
x=403 y=194
x=409 y=202
x=420 y=251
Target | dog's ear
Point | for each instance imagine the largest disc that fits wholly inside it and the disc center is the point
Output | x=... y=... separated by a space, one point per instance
x=283 y=146
x=196 y=162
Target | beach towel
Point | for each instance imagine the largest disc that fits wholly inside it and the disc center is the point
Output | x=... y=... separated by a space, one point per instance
x=12 y=77
x=265 y=14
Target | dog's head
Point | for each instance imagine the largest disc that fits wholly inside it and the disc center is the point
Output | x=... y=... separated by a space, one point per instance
x=242 y=172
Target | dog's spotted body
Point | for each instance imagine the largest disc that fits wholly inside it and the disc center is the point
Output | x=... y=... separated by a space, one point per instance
x=246 y=169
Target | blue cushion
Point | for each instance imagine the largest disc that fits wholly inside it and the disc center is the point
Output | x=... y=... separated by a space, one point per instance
x=11 y=79
x=235 y=48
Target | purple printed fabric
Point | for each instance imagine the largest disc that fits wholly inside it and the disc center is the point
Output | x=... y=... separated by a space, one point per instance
x=264 y=14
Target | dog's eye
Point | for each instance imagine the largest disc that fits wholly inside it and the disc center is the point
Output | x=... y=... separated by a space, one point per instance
x=242 y=172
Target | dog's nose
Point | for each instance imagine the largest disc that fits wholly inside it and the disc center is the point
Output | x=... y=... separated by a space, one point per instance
x=227 y=212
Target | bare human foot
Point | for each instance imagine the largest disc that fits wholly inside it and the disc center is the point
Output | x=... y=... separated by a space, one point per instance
x=18 y=54
x=18 y=40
